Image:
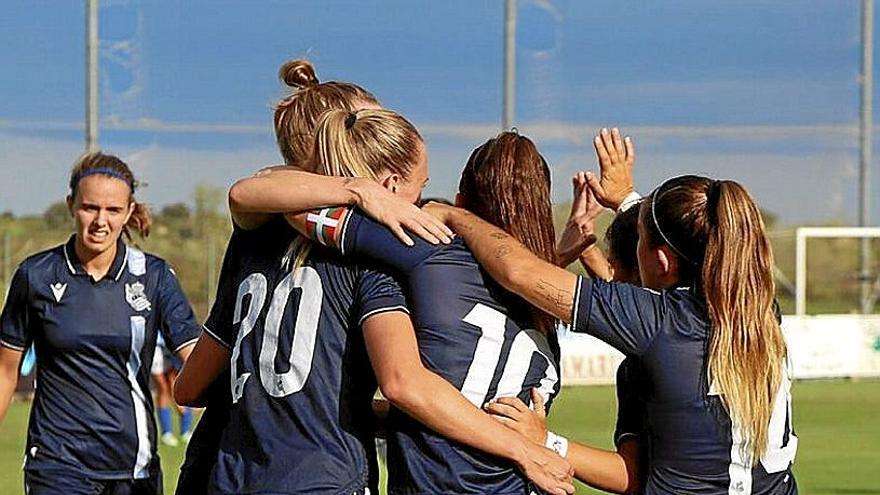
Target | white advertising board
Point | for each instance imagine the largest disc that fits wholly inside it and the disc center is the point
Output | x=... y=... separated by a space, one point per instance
x=823 y=346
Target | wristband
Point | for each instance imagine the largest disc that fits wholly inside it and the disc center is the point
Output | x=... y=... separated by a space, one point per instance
x=557 y=443
x=629 y=201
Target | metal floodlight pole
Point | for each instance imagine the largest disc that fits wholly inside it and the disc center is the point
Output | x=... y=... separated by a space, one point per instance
x=92 y=75
x=509 y=64
x=867 y=86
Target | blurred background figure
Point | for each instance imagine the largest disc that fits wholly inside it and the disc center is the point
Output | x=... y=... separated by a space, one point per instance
x=164 y=371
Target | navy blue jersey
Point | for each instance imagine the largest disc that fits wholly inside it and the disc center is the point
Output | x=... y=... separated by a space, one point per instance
x=632 y=389
x=301 y=382
x=472 y=333
x=93 y=411
x=694 y=446
x=204 y=444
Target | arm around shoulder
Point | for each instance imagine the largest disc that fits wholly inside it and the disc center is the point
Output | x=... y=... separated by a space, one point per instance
x=511 y=264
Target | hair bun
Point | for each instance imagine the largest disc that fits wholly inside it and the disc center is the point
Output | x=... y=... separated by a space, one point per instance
x=298 y=73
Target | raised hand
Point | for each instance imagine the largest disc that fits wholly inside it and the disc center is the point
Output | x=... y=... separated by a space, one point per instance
x=579 y=233
x=616 y=158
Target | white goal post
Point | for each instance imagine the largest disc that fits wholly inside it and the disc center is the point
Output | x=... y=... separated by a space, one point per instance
x=804 y=233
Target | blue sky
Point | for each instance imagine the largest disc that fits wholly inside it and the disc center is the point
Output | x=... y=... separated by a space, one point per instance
x=760 y=91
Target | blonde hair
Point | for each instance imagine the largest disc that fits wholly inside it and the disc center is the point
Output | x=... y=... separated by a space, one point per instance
x=104 y=164
x=296 y=115
x=717 y=231
x=366 y=143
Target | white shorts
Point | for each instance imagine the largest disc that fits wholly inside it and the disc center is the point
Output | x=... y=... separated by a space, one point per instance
x=160 y=364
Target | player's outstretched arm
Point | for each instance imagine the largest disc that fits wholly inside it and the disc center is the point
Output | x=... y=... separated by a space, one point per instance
x=290 y=190
x=579 y=234
x=201 y=367
x=615 y=472
x=511 y=264
x=394 y=354
x=10 y=360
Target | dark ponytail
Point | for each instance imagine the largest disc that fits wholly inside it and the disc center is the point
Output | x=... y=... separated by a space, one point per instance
x=506 y=182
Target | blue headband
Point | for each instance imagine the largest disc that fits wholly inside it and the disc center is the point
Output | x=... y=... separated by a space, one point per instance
x=102 y=171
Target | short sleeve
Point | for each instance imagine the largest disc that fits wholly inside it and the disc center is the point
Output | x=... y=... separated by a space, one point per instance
x=364 y=238
x=14 y=321
x=177 y=321
x=377 y=293
x=219 y=323
x=630 y=403
x=624 y=316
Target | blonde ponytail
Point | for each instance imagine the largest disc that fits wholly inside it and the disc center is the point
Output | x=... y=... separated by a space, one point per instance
x=746 y=348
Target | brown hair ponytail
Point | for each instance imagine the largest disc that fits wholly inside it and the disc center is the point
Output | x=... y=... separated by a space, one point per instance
x=140 y=221
x=507 y=183
x=716 y=230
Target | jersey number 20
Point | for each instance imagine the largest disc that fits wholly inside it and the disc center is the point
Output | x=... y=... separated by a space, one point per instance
x=304 y=332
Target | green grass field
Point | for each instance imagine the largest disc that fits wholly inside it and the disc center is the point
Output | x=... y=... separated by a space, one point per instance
x=839 y=452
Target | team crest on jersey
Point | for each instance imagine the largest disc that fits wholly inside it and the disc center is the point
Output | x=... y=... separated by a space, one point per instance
x=135 y=297
x=58 y=290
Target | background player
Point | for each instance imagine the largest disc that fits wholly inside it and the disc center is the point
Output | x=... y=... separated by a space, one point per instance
x=384 y=146
x=706 y=335
x=164 y=371
x=93 y=308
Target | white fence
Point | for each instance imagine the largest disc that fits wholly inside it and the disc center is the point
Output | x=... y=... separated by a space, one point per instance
x=825 y=346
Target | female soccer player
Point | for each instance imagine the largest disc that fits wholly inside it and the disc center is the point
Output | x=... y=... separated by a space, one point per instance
x=706 y=332
x=93 y=308
x=623 y=470
x=309 y=428
x=294 y=122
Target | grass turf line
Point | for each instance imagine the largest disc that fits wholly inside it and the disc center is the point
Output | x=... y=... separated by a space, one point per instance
x=835 y=422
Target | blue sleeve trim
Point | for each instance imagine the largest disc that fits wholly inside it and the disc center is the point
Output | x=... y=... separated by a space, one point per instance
x=580 y=317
